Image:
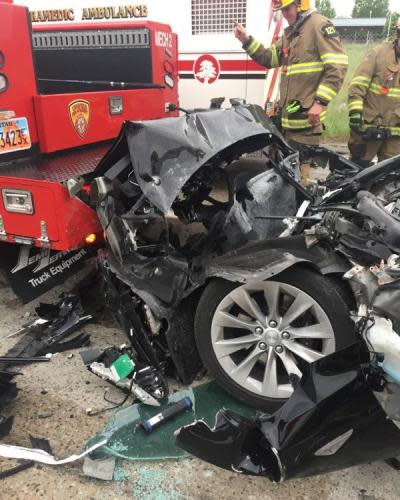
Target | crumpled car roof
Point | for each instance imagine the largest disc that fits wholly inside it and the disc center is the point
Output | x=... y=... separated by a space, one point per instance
x=165 y=153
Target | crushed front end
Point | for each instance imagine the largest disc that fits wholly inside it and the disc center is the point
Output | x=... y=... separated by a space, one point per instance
x=172 y=195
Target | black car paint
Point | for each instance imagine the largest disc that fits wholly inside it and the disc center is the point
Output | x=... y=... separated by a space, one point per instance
x=140 y=181
x=324 y=426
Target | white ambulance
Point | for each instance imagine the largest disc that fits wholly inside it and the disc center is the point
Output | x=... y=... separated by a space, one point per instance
x=212 y=62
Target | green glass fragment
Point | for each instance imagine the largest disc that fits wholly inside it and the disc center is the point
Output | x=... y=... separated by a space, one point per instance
x=122 y=367
x=126 y=439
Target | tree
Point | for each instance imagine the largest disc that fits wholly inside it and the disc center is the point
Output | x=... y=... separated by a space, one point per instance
x=325 y=8
x=370 y=8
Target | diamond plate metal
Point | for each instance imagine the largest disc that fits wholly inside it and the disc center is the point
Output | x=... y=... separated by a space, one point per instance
x=58 y=166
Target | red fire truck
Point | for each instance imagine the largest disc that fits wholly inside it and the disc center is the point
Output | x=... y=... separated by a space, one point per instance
x=65 y=91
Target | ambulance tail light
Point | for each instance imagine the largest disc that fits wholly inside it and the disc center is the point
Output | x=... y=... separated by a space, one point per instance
x=168 y=67
x=169 y=72
x=169 y=80
x=18 y=201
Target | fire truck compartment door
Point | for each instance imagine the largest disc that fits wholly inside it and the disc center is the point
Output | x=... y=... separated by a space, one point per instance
x=44 y=203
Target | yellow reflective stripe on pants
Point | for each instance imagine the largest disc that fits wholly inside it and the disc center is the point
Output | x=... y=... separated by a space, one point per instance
x=253 y=47
x=309 y=67
x=376 y=89
x=356 y=105
x=325 y=92
x=295 y=124
x=361 y=80
x=335 y=58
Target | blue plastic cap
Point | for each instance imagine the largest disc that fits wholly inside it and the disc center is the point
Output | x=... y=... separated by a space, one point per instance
x=188 y=402
x=147 y=426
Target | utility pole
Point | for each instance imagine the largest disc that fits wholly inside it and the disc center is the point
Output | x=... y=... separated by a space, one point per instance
x=389 y=25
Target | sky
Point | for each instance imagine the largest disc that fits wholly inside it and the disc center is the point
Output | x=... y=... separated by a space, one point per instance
x=344 y=7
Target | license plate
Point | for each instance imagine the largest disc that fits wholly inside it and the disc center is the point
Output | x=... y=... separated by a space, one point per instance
x=14 y=135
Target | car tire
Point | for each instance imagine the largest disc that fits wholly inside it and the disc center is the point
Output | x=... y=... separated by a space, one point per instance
x=228 y=350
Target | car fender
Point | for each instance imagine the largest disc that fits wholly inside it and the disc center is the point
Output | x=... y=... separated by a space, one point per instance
x=266 y=259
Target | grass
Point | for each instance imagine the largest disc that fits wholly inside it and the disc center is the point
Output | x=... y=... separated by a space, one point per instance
x=337 y=121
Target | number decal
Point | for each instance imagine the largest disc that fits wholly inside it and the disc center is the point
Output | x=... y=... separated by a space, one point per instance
x=23 y=136
x=329 y=31
x=14 y=135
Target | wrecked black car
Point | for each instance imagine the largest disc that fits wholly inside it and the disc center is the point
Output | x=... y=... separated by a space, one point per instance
x=174 y=196
x=345 y=408
x=197 y=232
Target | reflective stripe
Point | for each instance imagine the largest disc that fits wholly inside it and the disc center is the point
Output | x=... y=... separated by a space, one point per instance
x=356 y=105
x=361 y=80
x=300 y=123
x=275 y=56
x=253 y=47
x=376 y=89
x=295 y=124
x=325 y=92
x=335 y=58
x=394 y=130
x=309 y=67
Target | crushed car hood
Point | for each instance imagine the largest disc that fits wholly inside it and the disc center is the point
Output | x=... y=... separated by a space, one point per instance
x=165 y=153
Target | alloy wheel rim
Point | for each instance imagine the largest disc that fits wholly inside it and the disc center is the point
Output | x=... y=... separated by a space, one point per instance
x=263 y=332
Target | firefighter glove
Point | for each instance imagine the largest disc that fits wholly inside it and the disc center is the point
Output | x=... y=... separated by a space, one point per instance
x=293 y=106
x=356 y=120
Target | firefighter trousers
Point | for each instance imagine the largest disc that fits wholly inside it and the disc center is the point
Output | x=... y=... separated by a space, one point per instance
x=310 y=137
x=364 y=151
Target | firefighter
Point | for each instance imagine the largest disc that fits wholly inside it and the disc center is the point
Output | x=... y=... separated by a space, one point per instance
x=374 y=104
x=313 y=66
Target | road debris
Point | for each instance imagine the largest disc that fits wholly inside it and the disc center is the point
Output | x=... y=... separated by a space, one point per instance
x=102 y=468
x=45 y=414
x=38 y=340
x=117 y=367
x=332 y=421
x=39 y=443
x=38 y=455
x=127 y=439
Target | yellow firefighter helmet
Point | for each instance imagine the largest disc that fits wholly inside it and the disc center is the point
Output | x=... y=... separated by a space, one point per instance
x=303 y=5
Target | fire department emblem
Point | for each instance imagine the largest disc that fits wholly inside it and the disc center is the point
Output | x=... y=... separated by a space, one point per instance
x=206 y=69
x=79 y=112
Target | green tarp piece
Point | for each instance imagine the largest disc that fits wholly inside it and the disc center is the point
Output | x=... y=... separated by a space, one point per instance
x=126 y=439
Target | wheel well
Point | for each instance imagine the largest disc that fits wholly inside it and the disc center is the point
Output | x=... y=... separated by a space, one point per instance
x=342 y=286
x=336 y=280
x=344 y=289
